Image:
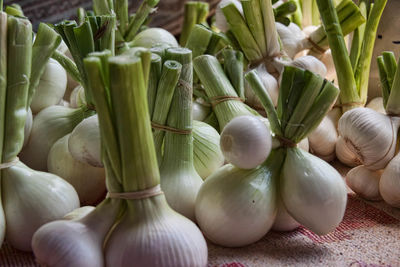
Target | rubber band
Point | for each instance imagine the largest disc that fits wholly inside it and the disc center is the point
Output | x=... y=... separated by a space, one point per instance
x=285 y=142
x=7 y=165
x=149 y=192
x=219 y=99
x=169 y=129
x=316 y=46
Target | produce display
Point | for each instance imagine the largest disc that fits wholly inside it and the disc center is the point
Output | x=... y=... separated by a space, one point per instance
x=165 y=143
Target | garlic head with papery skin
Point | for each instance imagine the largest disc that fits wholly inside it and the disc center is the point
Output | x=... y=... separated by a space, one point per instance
x=246 y=142
x=370 y=135
x=345 y=155
x=84 y=142
x=152 y=234
x=88 y=181
x=310 y=63
x=77 y=243
x=270 y=83
x=313 y=192
x=291 y=37
x=389 y=185
x=364 y=182
x=51 y=87
x=323 y=139
x=31 y=199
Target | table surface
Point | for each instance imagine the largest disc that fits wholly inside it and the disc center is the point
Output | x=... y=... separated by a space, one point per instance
x=369 y=235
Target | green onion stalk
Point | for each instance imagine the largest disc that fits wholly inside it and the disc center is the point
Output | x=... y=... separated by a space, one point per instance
x=165 y=78
x=96 y=33
x=25 y=193
x=194 y=13
x=220 y=90
x=353 y=80
x=179 y=179
x=305 y=184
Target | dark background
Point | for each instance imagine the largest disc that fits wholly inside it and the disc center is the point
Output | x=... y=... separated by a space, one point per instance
x=168 y=15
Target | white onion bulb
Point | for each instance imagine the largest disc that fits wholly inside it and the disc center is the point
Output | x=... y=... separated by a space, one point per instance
x=51 y=88
x=246 y=142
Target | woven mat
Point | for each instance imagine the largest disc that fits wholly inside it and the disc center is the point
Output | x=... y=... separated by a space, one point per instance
x=369 y=236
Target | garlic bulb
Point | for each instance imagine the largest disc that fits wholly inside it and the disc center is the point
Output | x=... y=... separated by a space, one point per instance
x=377 y=105
x=84 y=142
x=370 y=135
x=313 y=192
x=31 y=199
x=77 y=97
x=269 y=82
x=200 y=111
x=79 y=213
x=304 y=144
x=28 y=126
x=246 y=142
x=155 y=235
x=323 y=139
x=49 y=125
x=389 y=185
x=291 y=37
x=51 y=88
x=345 y=154
x=310 y=63
x=77 y=243
x=364 y=182
x=283 y=221
x=237 y=207
x=207 y=155
x=220 y=20
x=88 y=181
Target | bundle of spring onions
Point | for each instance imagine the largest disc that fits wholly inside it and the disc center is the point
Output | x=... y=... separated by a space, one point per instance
x=62 y=140
x=29 y=198
x=359 y=126
x=135 y=216
x=311 y=190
